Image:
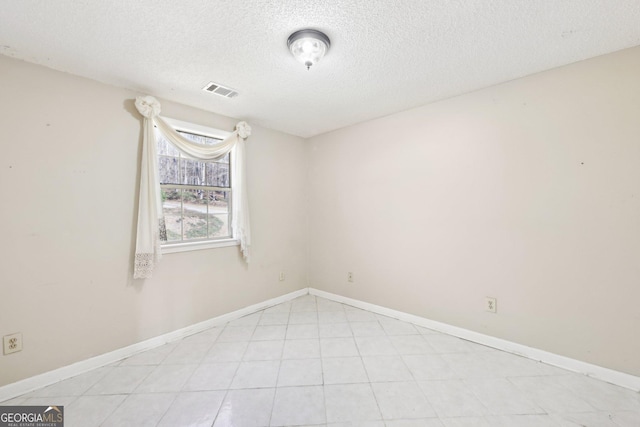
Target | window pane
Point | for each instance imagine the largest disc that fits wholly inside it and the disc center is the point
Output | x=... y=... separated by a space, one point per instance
x=192 y=172
x=217 y=175
x=168 y=169
x=220 y=201
x=211 y=173
x=219 y=214
x=219 y=225
x=194 y=212
x=172 y=213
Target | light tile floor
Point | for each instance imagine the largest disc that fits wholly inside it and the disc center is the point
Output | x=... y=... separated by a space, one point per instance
x=315 y=362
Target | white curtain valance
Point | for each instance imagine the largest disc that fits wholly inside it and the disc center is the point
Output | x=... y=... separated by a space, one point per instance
x=151 y=228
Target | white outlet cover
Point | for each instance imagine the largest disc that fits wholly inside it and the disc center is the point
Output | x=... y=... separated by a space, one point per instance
x=12 y=343
x=491 y=305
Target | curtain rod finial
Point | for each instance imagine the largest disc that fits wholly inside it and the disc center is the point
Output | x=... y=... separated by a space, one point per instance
x=148 y=106
x=244 y=130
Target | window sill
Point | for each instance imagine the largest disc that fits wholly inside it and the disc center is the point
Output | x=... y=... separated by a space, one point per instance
x=196 y=246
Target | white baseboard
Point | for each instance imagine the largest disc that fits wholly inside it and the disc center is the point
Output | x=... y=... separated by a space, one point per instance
x=605 y=374
x=27 y=385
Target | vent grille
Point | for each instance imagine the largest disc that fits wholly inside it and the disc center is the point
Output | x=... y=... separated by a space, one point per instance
x=220 y=90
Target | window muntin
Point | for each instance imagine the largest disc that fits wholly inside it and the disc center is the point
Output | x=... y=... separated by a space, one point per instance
x=196 y=195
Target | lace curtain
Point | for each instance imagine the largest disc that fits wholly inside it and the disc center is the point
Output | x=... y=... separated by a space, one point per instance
x=151 y=228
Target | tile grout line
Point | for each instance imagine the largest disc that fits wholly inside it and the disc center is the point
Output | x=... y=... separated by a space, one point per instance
x=228 y=389
x=324 y=395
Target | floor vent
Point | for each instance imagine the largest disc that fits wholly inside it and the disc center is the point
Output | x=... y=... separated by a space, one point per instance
x=220 y=90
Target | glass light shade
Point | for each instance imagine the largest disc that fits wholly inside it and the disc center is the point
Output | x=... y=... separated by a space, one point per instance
x=308 y=46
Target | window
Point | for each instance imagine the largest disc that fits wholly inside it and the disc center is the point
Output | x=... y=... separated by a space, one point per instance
x=196 y=195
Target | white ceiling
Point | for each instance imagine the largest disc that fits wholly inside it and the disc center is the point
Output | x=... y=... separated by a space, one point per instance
x=386 y=56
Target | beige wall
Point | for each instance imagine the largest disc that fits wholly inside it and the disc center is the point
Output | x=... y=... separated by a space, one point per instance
x=527 y=192
x=68 y=177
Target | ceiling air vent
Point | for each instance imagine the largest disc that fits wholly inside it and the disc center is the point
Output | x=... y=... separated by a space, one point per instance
x=220 y=90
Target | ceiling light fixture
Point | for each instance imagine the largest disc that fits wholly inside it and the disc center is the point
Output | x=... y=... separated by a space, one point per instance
x=308 y=46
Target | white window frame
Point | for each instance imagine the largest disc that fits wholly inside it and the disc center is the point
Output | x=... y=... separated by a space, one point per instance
x=169 y=247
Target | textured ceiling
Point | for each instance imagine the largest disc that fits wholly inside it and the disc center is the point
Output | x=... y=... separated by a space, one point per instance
x=386 y=56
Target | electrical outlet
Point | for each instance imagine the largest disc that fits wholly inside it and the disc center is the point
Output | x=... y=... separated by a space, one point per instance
x=282 y=276
x=491 y=305
x=12 y=343
x=349 y=277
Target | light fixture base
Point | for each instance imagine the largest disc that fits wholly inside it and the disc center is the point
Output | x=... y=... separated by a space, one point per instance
x=311 y=34
x=308 y=46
